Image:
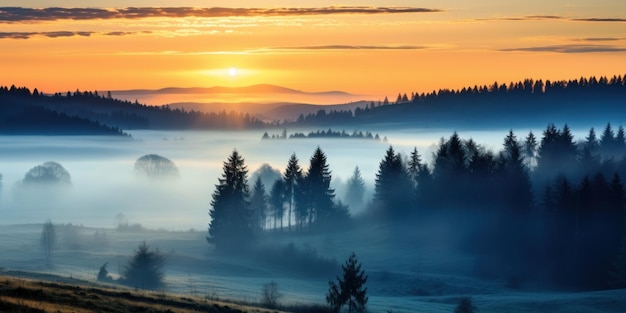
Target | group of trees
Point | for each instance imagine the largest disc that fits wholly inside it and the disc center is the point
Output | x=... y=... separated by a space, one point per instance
x=528 y=99
x=305 y=200
x=550 y=200
x=87 y=112
x=325 y=134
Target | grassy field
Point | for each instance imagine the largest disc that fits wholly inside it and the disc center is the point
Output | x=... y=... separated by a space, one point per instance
x=19 y=294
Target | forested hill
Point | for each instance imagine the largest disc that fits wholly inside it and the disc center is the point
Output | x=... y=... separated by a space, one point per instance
x=514 y=104
x=100 y=109
x=517 y=104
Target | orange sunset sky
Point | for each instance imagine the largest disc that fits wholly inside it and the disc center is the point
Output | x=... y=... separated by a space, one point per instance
x=374 y=48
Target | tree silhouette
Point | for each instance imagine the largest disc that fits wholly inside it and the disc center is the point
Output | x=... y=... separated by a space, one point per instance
x=48 y=240
x=230 y=227
x=530 y=150
x=355 y=190
x=393 y=188
x=145 y=269
x=319 y=195
x=277 y=201
x=155 y=167
x=517 y=185
x=292 y=176
x=258 y=205
x=350 y=289
x=48 y=173
x=465 y=306
x=270 y=295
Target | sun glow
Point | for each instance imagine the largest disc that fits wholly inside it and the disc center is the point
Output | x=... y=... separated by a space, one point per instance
x=232 y=72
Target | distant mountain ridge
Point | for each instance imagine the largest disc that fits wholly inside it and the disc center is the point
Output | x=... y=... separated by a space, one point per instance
x=252 y=89
x=518 y=104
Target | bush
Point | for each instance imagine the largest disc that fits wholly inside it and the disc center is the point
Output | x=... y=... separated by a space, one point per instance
x=145 y=269
x=270 y=295
x=465 y=306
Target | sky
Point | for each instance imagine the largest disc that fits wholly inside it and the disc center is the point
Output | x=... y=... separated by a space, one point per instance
x=370 y=48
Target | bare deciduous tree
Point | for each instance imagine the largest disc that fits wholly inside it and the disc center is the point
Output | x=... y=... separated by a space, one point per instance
x=270 y=295
x=155 y=167
x=48 y=240
x=48 y=173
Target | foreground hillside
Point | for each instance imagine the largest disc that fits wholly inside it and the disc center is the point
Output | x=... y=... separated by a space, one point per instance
x=26 y=295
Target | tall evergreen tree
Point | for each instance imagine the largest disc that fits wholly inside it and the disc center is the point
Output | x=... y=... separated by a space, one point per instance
x=590 y=152
x=319 y=194
x=530 y=150
x=292 y=176
x=258 y=206
x=350 y=289
x=277 y=201
x=230 y=226
x=517 y=185
x=413 y=167
x=393 y=188
x=607 y=142
x=355 y=189
x=620 y=142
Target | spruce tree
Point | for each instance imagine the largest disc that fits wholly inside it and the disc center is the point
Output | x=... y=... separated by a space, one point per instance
x=145 y=269
x=317 y=186
x=277 y=201
x=530 y=150
x=393 y=187
x=230 y=226
x=355 y=190
x=258 y=205
x=350 y=289
x=292 y=176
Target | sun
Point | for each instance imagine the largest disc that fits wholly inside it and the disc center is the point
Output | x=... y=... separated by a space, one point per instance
x=232 y=72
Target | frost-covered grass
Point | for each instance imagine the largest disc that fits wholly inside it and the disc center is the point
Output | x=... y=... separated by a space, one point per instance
x=417 y=273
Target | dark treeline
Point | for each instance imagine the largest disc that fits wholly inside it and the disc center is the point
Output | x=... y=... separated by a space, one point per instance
x=540 y=208
x=325 y=134
x=526 y=100
x=122 y=114
x=29 y=118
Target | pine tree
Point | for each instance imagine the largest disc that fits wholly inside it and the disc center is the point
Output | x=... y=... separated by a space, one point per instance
x=530 y=150
x=350 y=289
x=518 y=188
x=393 y=188
x=258 y=205
x=607 y=142
x=320 y=195
x=230 y=226
x=292 y=176
x=277 y=201
x=355 y=190
x=145 y=269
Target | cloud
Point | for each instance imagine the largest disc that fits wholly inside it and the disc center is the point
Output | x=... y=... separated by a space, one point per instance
x=570 y=49
x=57 y=34
x=619 y=20
x=595 y=39
x=19 y=14
x=350 y=47
x=552 y=17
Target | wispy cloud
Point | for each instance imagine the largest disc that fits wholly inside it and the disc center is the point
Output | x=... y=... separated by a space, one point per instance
x=596 y=39
x=552 y=17
x=619 y=20
x=19 y=14
x=56 y=34
x=570 y=49
x=350 y=47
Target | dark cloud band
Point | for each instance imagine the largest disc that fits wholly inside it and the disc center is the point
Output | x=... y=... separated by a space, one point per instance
x=19 y=14
x=57 y=34
x=570 y=49
x=351 y=47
